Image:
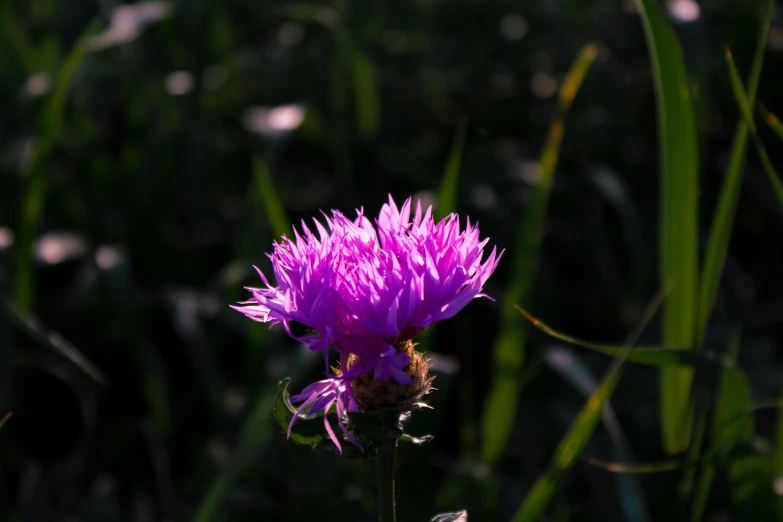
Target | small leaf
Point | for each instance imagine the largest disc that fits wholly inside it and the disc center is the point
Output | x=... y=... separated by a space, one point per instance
x=380 y=426
x=454 y=516
x=306 y=430
x=418 y=441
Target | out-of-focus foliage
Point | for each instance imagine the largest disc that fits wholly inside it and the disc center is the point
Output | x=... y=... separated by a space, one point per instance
x=151 y=152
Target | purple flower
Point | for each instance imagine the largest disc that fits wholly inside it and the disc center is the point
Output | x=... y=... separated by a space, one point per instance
x=365 y=292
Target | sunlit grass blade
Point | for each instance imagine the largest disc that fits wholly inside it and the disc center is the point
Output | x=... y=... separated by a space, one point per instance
x=48 y=131
x=742 y=101
x=634 y=467
x=447 y=195
x=570 y=447
x=770 y=119
x=52 y=340
x=653 y=356
x=723 y=220
x=268 y=197
x=253 y=434
x=5 y=419
x=508 y=353
x=678 y=214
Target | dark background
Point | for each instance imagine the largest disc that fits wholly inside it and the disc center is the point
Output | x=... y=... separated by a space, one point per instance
x=152 y=218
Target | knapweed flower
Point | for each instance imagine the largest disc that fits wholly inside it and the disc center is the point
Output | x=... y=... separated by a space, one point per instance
x=367 y=291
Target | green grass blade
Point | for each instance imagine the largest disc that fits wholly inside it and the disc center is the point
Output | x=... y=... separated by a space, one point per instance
x=570 y=447
x=447 y=195
x=52 y=340
x=770 y=119
x=267 y=196
x=742 y=101
x=47 y=134
x=720 y=233
x=652 y=356
x=5 y=419
x=368 y=104
x=678 y=226
x=17 y=39
x=508 y=352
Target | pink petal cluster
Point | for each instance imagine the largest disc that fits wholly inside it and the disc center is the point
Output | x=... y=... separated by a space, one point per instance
x=364 y=290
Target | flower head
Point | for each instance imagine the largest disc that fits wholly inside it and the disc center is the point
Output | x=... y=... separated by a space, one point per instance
x=367 y=291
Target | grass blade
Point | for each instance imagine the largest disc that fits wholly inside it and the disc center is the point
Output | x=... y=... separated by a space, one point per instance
x=720 y=233
x=652 y=356
x=678 y=226
x=52 y=340
x=268 y=197
x=769 y=118
x=5 y=419
x=47 y=133
x=368 y=105
x=570 y=447
x=742 y=101
x=447 y=195
x=509 y=349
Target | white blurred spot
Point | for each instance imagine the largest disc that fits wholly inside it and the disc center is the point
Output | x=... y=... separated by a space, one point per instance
x=684 y=10
x=427 y=199
x=127 y=21
x=37 y=84
x=775 y=39
x=234 y=400
x=290 y=33
x=777 y=486
x=327 y=16
x=107 y=257
x=6 y=237
x=217 y=449
x=559 y=358
x=483 y=196
x=214 y=77
x=543 y=85
x=179 y=83
x=274 y=121
x=529 y=171
x=56 y=247
x=513 y=27
x=442 y=363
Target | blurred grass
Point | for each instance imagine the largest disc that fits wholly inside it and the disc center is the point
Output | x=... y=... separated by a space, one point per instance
x=270 y=200
x=744 y=105
x=508 y=351
x=723 y=219
x=678 y=215
x=447 y=194
x=571 y=446
x=48 y=131
x=5 y=419
x=770 y=119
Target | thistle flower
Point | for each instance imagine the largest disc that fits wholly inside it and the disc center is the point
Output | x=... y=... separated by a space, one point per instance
x=367 y=293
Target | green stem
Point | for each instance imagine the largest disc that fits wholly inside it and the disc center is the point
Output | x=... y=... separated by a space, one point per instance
x=384 y=475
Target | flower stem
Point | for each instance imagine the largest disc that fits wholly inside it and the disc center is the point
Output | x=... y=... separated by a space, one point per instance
x=384 y=474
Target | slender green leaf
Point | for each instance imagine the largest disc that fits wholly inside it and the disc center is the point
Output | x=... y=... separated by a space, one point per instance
x=447 y=195
x=307 y=430
x=718 y=242
x=368 y=104
x=769 y=118
x=270 y=199
x=742 y=101
x=570 y=447
x=30 y=324
x=678 y=227
x=653 y=356
x=508 y=353
x=5 y=419
x=47 y=133
x=13 y=30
